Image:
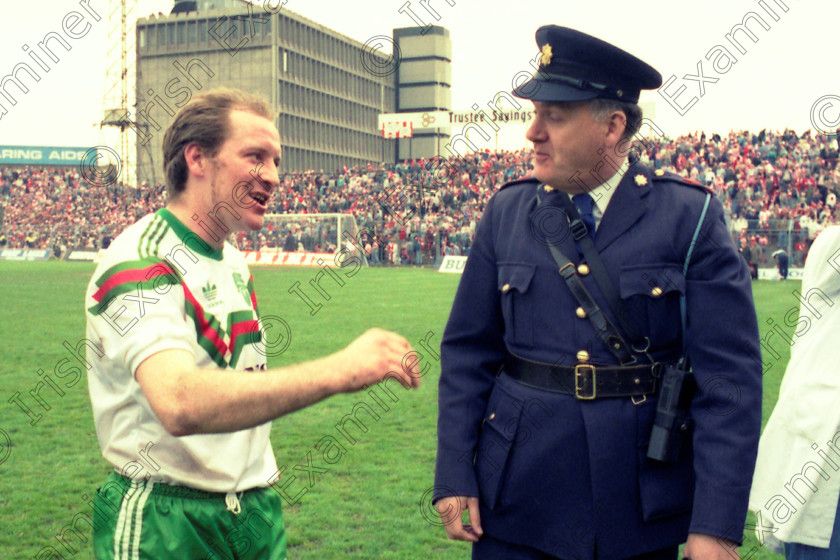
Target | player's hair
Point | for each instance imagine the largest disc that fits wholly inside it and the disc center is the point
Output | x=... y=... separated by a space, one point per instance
x=603 y=108
x=205 y=120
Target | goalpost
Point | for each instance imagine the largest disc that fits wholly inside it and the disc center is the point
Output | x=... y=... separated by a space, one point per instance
x=330 y=237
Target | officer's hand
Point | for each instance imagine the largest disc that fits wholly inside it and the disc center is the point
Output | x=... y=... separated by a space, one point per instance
x=450 y=510
x=369 y=358
x=707 y=547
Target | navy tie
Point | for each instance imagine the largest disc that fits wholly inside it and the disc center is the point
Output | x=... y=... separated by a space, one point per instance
x=584 y=205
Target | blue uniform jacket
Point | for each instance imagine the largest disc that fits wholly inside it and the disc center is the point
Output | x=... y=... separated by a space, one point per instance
x=568 y=476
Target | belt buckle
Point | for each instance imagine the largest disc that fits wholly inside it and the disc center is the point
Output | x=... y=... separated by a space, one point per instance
x=579 y=372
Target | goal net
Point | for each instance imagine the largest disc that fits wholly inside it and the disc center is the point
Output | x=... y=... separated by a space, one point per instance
x=331 y=237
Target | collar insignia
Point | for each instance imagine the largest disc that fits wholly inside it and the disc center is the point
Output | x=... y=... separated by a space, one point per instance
x=545 y=58
x=548 y=188
x=659 y=173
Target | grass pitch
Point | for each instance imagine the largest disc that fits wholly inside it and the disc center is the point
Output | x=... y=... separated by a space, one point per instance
x=372 y=501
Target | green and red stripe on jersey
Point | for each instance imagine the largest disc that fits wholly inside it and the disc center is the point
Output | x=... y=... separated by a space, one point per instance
x=132 y=276
x=152 y=273
x=253 y=295
x=207 y=328
x=243 y=329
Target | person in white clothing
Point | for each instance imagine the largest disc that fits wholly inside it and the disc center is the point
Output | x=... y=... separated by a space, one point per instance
x=796 y=485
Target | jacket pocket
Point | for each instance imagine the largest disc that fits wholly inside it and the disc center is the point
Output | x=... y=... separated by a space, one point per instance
x=665 y=489
x=652 y=293
x=498 y=432
x=514 y=281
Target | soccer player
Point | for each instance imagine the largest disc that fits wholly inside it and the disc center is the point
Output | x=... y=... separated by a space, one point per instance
x=182 y=399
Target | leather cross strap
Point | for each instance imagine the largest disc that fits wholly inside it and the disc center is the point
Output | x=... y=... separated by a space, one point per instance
x=640 y=343
x=607 y=332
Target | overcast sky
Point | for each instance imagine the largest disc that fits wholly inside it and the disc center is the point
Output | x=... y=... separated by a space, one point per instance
x=788 y=78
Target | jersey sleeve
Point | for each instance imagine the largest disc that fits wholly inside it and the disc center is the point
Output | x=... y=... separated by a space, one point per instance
x=137 y=309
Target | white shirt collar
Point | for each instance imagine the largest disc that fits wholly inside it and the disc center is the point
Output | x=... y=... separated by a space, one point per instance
x=603 y=193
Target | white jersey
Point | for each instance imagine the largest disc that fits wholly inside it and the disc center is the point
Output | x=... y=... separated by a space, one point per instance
x=160 y=287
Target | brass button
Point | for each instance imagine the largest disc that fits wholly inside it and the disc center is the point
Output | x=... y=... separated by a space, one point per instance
x=492 y=415
x=580 y=312
x=505 y=288
x=583 y=356
x=656 y=291
x=583 y=269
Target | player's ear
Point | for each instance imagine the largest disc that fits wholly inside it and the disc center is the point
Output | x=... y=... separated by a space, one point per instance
x=196 y=159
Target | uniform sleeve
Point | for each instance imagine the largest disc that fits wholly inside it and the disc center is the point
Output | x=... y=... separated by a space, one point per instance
x=724 y=351
x=136 y=309
x=472 y=350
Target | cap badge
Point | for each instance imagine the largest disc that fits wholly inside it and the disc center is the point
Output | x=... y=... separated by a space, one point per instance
x=640 y=179
x=545 y=58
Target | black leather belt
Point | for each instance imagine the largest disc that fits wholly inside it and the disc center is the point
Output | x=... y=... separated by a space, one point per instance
x=585 y=381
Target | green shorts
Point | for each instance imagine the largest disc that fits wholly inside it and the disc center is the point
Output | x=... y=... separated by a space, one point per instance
x=141 y=520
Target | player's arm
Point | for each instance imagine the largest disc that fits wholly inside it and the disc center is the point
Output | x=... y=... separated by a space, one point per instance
x=188 y=400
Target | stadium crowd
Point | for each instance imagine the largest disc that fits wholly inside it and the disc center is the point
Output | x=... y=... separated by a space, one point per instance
x=779 y=189
x=49 y=208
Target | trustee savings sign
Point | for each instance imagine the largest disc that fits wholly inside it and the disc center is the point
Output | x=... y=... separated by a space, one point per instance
x=444 y=119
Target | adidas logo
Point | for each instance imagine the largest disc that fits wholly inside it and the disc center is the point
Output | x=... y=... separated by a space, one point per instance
x=209 y=291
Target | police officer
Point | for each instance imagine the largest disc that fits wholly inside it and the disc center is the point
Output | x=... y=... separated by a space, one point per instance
x=543 y=431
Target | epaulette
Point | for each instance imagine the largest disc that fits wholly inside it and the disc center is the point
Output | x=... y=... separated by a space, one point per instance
x=662 y=175
x=528 y=179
